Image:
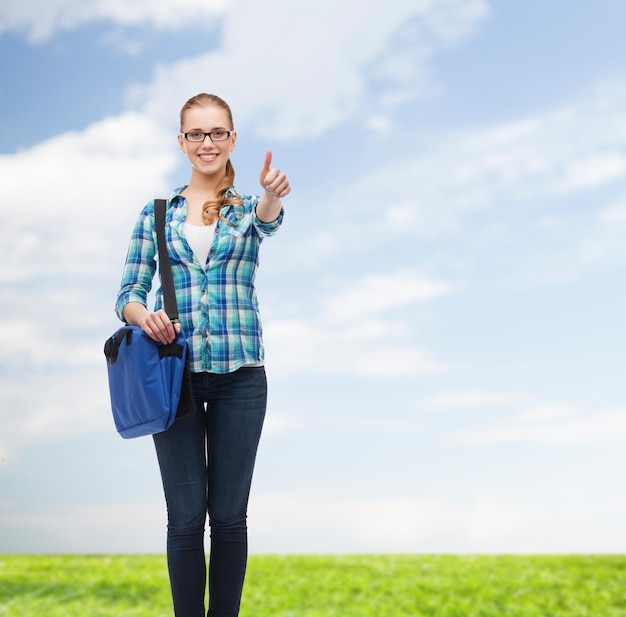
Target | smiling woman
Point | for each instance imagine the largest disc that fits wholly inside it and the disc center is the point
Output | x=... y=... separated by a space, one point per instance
x=213 y=237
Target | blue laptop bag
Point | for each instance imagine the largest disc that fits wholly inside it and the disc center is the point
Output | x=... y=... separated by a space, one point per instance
x=145 y=381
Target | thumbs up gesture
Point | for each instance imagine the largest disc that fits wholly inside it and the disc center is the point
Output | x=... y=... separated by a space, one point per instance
x=273 y=180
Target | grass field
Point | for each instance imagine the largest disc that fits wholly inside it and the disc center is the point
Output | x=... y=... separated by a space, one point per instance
x=327 y=586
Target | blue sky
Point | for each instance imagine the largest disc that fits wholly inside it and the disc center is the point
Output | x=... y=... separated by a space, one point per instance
x=443 y=306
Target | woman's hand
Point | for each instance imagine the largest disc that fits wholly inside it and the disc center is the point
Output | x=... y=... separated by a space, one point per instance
x=273 y=181
x=276 y=186
x=157 y=326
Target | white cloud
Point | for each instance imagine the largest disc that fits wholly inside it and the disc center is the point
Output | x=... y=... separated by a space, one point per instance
x=524 y=202
x=53 y=404
x=35 y=342
x=298 y=345
x=594 y=170
x=613 y=215
x=42 y=19
x=475 y=172
x=60 y=263
x=276 y=424
x=309 y=344
x=380 y=123
x=604 y=241
x=397 y=360
x=308 y=70
x=485 y=523
x=541 y=413
x=72 y=228
x=374 y=294
x=359 y=525
x=600 y=427
x=532 y=163
x=472 y=399
x=137 y=527
x=89 y=188
x=357 y=329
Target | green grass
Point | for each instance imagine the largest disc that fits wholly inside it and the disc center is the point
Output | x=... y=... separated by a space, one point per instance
x=327 y=586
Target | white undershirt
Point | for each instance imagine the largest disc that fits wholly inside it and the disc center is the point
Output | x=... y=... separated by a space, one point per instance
x=200 y=238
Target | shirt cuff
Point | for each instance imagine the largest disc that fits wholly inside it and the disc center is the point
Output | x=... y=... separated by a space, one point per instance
x=268 y=229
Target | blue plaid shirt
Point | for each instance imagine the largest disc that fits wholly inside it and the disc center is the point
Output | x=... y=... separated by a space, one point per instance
x=217 y=303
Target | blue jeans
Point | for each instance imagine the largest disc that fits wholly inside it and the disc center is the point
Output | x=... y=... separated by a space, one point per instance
x=206 y=464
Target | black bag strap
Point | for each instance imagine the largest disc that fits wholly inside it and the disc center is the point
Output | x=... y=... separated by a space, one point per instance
x=186 y=404
x=165 y=268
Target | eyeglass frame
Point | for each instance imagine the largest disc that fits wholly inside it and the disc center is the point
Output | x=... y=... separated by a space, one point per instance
x=205 y=135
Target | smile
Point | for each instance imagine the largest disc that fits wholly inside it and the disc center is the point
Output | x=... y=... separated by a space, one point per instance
x=208 y=157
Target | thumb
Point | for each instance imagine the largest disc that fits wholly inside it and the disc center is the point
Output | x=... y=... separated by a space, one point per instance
x=266 y=165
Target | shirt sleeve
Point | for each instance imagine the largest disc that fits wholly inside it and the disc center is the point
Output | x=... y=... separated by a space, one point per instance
x=140 y=265
x=265 y=230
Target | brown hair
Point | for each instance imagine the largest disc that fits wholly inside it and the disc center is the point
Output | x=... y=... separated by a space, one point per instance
x=211 y=209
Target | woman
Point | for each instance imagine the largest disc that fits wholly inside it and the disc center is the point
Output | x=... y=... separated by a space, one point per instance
x=206 y=461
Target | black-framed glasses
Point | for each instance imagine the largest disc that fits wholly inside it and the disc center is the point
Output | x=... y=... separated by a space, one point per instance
x=212 y=135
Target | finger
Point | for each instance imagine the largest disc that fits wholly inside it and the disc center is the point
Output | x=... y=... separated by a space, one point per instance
x=283 y=191
x=159 y=327
x=166 y=327
x=153 y=332
x=271 y=177
x=266 y=168
x=279 y=185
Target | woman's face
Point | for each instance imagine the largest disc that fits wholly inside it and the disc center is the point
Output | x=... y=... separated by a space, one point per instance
x=207 y=157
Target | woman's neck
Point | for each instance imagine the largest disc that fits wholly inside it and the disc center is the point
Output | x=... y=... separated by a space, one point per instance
x=201 y=189
x=201 y=184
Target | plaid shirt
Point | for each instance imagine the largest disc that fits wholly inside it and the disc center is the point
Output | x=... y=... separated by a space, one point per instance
x=217 y=304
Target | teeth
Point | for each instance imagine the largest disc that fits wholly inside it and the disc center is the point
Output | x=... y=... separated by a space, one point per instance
x=208 y=157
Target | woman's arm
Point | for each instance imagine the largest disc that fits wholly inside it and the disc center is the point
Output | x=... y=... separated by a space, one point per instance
x=139 y=271
x=276 y=186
